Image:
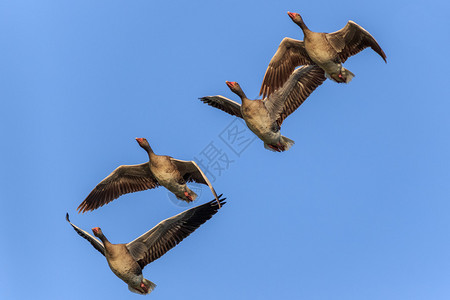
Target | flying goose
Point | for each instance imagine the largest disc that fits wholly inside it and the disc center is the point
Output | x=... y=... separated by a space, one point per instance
x=327 y=50
x=264 y=117
x=128 y=260
x=159 y=170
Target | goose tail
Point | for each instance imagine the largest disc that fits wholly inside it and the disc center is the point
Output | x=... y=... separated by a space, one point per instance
x=344 y=76
x=283 y=145
x=148 y=284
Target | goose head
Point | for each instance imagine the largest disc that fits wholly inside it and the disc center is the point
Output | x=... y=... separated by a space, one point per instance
x=233 y=85
x=97 y=231
x=235 y=88
x=297 y=19
x=144 y=144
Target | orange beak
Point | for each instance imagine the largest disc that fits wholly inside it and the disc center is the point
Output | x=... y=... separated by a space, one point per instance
x=230 y=83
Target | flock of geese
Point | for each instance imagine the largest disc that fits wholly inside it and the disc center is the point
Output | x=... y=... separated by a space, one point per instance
x=283 y=89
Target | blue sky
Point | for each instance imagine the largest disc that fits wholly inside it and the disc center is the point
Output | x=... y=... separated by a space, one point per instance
x=356 y=209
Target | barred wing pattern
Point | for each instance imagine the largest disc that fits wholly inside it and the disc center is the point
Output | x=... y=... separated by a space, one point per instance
x=352 y=39
x=123 y=180
x=224 y=104
x=294 y=92
x=168 y=233
x=290 y=54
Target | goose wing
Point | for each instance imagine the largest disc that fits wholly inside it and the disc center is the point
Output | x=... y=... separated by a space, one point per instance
x=294 y=92
x=168 y=233
x=223 y=103
x=191 y=172
x=123 y=180
x=352 y=39
x=94 y=242
x=290 y=54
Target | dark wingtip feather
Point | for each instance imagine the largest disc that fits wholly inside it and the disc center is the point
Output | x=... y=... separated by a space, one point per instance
x=67 y=217
x=214 y=203
x=82 y=207
x=206 y=101
x=380 y=53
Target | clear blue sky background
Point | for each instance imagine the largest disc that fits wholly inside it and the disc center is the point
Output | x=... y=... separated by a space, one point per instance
x=357 y=209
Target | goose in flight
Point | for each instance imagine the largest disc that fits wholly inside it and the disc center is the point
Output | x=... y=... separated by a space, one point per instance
x=327 y=50
x=265 y=116
x=159 y=170
x=128 y=260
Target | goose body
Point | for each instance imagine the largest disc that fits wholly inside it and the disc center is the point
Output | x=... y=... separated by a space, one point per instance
x=124 y=266
x=167 y=174
x=325 y=56
x=265 y=116
x=258 y=120
x=126 y=261
x=160 y=170
x=327 y=50
x=320 y=53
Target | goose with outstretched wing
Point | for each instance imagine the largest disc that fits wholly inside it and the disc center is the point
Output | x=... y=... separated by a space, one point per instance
x=327 y=50
x=128 y=260
x=160 y=170
x=265 y=116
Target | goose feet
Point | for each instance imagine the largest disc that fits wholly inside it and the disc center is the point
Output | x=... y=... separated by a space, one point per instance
x=340 y=77
x=278 y=147
x=144 y=288
x=188 y=196
x=273 y=148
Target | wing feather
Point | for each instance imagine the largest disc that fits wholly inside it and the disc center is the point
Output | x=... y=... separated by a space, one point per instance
x=290 y=54
x=94 y=242
x=191 y=172
x=294 y=92
x=123 y=180
x=223 y=103
x=352 y=39
x=168 y=233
